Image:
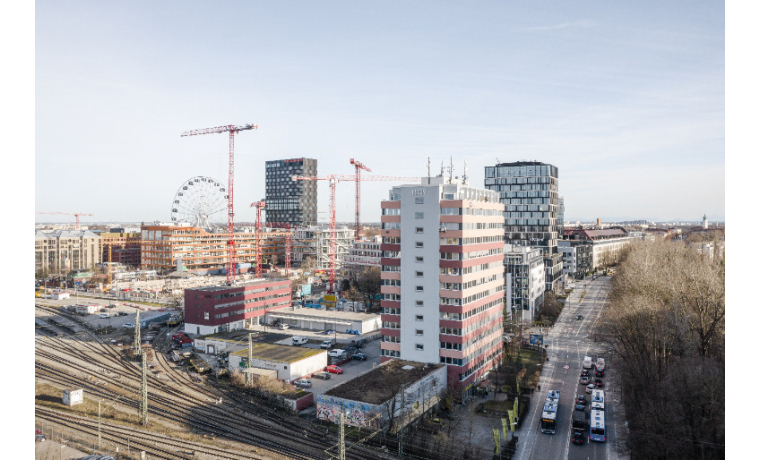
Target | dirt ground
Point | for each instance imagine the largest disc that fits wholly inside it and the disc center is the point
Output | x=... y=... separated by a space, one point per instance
x=51 y=450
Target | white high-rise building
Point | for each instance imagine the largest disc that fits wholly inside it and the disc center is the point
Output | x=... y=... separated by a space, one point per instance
x=443 y=277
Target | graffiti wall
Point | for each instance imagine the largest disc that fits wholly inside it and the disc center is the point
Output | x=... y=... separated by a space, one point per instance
x=355 y=413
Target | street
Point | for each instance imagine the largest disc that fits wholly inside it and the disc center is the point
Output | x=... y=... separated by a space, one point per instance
x=568 y=342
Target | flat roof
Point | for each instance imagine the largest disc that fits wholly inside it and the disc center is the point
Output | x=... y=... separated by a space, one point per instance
x=279 y=353
x=326 y=314
x=224 y=287
x=379 y=384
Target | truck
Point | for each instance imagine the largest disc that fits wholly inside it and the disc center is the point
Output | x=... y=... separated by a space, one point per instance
x=298 y=341
x=587 y=364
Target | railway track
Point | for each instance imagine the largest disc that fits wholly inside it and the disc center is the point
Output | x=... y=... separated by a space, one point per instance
x=238 y=419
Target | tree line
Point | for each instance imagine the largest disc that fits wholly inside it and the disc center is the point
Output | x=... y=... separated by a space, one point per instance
x=666 y=322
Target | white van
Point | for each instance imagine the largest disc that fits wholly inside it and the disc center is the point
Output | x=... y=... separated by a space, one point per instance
x=298 y=341
x=587 y=362
x=336 y=353
x=600 y=364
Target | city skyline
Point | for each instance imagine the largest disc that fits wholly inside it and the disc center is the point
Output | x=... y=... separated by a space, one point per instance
x=626 y=100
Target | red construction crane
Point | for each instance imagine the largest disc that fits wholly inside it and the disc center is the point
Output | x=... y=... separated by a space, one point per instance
x=77 y=214
x=232 y=129
x=334 y=179
x=259 y=205
x=359 y=166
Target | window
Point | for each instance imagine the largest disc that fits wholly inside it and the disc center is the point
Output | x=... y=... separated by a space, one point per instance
x=419 y=215
x=418 y=288
x=418 y=347
x=419 y=259
x=419 y=303
x=418 y=332
x=419 y=230
x=418 y=274
x=418 y=318
x=419 y=244
x=419 y=200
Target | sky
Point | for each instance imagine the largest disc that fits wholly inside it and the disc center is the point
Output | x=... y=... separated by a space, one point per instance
x=625 y=98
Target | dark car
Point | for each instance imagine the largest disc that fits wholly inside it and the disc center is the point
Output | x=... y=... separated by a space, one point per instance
x=122 y=313
x=598 y=383
x=321 y=375
x=580 y=402
x=359 y=356
x=579 y=317
x=599 y=373
x=584 y=373
x=578 y=438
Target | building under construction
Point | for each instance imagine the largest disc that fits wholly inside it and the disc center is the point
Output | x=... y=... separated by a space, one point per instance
x=164 y=247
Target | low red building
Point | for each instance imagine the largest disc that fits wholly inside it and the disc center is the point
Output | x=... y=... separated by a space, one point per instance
x=213 y=309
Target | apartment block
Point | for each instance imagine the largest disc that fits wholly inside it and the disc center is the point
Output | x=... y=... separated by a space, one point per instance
x=443 y=277
x=62 y=251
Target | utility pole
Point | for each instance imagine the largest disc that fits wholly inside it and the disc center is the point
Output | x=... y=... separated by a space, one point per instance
x=138 y=348
x=99 y=401
x=144 y=393
x=342 y=451
x=250 y=349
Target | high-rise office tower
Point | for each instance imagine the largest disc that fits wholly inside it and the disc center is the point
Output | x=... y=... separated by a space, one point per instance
x=288 y=201
x=443 y=277
x=529 y=189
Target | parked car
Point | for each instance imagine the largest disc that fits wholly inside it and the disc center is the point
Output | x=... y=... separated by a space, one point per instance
x=326 y=345
x=298 y=341
x=584 y=380
x=129 y=325
x=598 y=383
x=359 y=356
x=580 y=402
x=584 y=373
x=104 y=315
x=579 y=317
x=590 y=387
x=302 y=383
x=333 y=369
x=578 y=438
x=113 y=305
x=322 y=375
x=122 y=313
x=283 y=326
x=599 y=373
x=336 y=353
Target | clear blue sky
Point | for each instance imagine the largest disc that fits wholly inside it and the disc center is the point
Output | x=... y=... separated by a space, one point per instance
x=626 y=99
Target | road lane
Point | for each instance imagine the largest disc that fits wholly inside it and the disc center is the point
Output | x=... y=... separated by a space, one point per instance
x=566 y=340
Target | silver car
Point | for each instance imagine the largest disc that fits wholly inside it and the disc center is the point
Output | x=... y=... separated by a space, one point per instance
x=302 y=383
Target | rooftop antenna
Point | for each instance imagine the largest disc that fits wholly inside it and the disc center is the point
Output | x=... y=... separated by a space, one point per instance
x=428 y=171
x=464 y=173
x=451 y=169
x=497 y=161
x=441 y=169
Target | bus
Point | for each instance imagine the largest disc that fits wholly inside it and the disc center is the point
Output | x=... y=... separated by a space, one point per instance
x=549 y=414
x=597 y=400
x=597 y=426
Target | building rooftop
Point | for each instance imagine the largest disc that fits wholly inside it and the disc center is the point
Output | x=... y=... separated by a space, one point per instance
x=279 y=353
x=44 y=234
x=325 y=314
x=225 y=287
x=381 y=383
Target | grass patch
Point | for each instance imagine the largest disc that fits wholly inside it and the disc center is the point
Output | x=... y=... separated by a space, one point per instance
x=498 y=406
x=52 y=397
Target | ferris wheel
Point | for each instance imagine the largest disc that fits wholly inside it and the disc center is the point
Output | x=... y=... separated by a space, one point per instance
x=201 y=202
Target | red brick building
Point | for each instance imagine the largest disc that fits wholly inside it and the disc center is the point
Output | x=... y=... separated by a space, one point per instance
x=125 y=248
x=226 y=308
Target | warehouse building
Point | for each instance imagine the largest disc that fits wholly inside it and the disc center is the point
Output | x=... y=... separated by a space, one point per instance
x=389 y=396
x=290 y=363
x=326 y=320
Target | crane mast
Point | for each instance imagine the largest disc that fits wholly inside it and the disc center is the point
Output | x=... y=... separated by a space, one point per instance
x=359 y=166
x=231 y=129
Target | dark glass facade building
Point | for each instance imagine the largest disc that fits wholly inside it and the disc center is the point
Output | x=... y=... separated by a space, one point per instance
x=288 y=201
